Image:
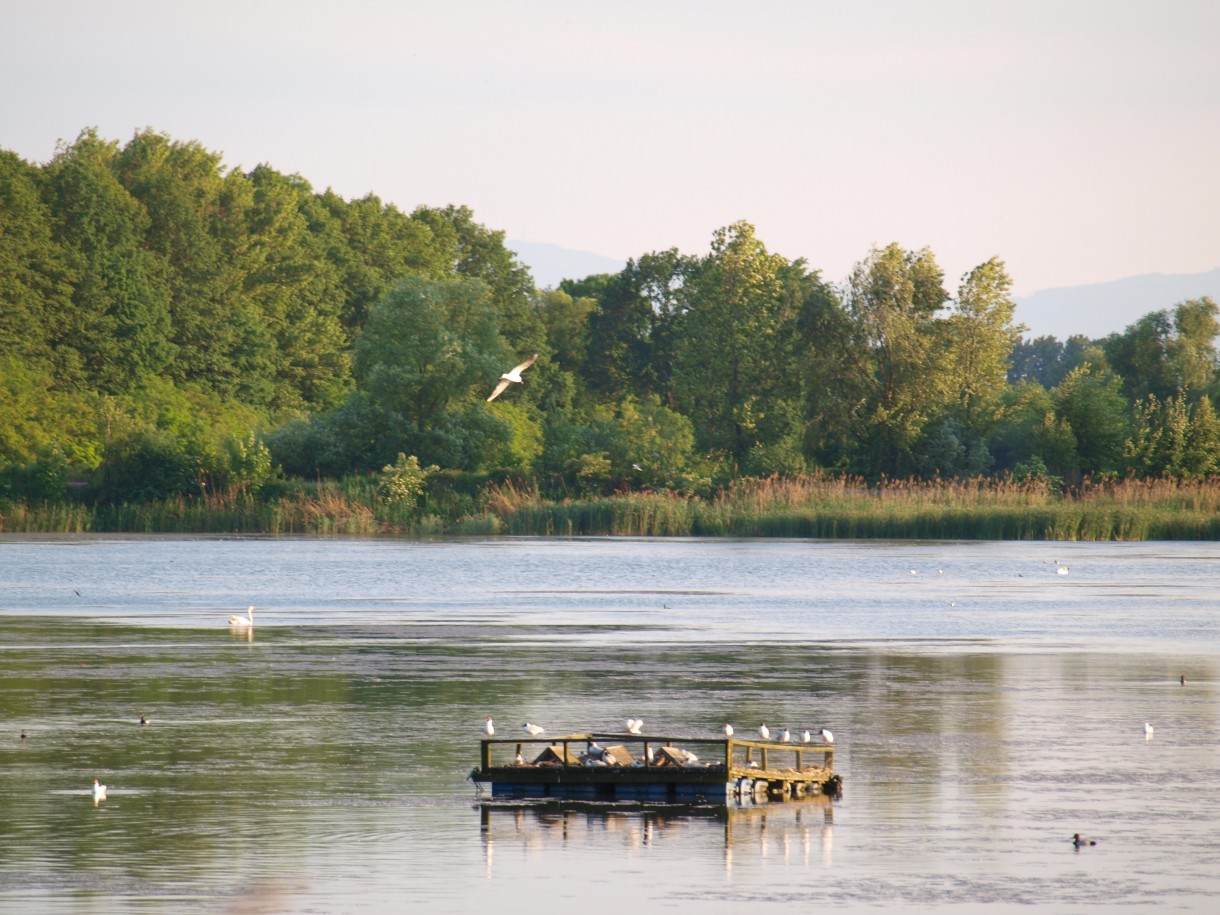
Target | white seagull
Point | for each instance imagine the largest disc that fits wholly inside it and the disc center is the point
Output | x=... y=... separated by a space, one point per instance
x=827 y=737
x=488 y=728
x=728 y=729
x=635 y=725
x=764 y=732
x=532 y=729
x=784 y=736
x=1147 y=729
x=512 y=377
x=99 y=791
x=1061 y=570
x=243 y=622
x=806 y=737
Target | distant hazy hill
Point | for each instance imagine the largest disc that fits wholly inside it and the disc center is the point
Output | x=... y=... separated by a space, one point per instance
x=550 y=263
x=1104 y=308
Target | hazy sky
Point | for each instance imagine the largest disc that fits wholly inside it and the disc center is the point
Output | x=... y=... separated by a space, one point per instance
x=1078 y=141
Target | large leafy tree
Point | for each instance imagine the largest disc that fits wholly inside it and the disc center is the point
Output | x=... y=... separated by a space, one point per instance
x=118 y=321
x=893 y=296
x=733 y=369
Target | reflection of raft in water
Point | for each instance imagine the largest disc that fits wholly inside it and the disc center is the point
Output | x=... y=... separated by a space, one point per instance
x=634 y=767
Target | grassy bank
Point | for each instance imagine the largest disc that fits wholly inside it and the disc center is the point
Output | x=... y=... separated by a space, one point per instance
x=801 y=507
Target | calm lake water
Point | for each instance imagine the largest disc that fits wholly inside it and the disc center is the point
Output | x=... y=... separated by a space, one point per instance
x=985 y=708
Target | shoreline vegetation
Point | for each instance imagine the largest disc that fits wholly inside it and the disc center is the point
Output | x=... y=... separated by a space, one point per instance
x=813 y=506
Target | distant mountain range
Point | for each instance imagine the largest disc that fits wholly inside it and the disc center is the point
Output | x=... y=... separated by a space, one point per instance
x=1101 y=309
x=1095 y=310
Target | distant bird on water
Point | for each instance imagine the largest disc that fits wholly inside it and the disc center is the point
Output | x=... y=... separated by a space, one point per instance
x=764 y=732
x=243 y=622
x=99 y=791
x=1147 y=730
x=728 y=729
x=635 y=725
x=1080 y=841
x=827 y=737
x=1061 y=570
x=143 y=720
x=488 y=728
x=532 y=729
x=23 y=735
x=512 y=377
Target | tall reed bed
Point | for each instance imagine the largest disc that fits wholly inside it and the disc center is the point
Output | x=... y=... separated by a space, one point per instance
x=808 y=506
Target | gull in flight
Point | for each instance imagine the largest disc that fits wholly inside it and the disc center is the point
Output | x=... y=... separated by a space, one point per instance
x=512 y=377
x=532 y=729
x=635 y=725
x=241 y=622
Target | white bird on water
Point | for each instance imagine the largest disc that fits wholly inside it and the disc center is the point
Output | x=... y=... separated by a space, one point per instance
x=728 y=729
x=827 y=737
x=764 y=732
x=1062 y=570
x=512 y=377
x=532 y=729
x=242 y=622
x=99 y=791
x=635 y=725
x=488 y=728
x=1147 y=729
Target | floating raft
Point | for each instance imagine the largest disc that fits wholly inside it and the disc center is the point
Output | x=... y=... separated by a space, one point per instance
x=636 y=767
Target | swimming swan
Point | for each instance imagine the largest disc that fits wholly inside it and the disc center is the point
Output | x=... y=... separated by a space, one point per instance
x=241 y=622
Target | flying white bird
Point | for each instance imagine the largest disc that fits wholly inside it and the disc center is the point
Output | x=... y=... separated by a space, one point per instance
x=242 y=622
x=99 y=791
x=532 y=729
x=488 y=728
x=728 y=729
x=764 y=732
x=827 y=737
x=512 y=377
x=635 y=725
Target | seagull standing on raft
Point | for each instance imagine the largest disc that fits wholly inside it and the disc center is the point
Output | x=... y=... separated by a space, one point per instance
x=728 y=729
x=806 y=737
x=243 y=622
x=827 y=737
x=784 y=736
x=764 y=732
x=511 y=377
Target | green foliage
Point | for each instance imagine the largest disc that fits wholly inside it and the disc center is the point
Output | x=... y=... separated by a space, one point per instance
x=402 y=483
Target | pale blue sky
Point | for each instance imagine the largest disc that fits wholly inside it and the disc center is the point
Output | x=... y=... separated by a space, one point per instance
x=1078 y=141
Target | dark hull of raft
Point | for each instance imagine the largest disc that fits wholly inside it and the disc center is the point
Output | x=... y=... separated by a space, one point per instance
x=749 y=770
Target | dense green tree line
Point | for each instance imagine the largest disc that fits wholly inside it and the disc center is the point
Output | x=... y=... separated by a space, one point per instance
x=169 y=326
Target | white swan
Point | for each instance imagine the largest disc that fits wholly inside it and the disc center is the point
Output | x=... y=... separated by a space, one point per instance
x=99 y=791
x=488 y=728
x=512 y=377
x=242 y=622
